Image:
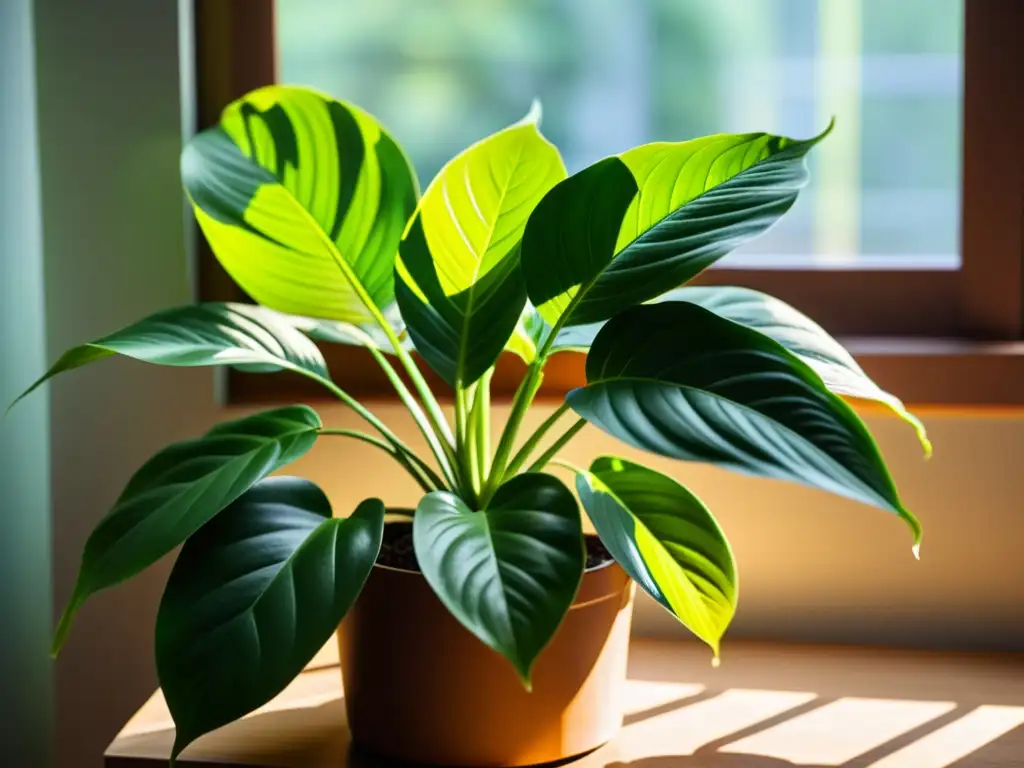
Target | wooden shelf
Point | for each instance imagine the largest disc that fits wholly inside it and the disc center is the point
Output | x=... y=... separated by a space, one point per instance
x=767 y=706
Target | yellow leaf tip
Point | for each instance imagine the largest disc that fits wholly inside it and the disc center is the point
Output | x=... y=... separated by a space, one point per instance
x=716 y=662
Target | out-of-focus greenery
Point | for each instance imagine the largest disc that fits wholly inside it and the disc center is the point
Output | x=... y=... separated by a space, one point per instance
x=615 y=73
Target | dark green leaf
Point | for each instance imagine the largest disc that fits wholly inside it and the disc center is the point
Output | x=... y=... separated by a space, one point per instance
x=240 y=335
x=801 y=336
x=181 y=488
x=680 y=381
x=510 y=572
x=252 y=598
x=666 y=539
x=671 y=210
x=461 y=335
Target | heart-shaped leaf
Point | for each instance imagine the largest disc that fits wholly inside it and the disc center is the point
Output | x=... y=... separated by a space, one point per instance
x=252 y=598
x=801 y=336
x=680 y=381
x=510 y=572
x=179 y=490
x=240 y=335
x=463 y=289
x=303 y=199
x=689 y=204
x=667 y=541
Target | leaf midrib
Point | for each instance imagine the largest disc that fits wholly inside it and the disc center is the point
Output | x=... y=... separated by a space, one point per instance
x=460 y=365
x=897 y=508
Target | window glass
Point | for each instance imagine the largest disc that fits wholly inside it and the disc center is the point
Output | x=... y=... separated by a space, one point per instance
x=612 y=74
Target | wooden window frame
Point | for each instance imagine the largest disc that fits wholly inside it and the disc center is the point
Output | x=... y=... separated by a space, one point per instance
x=945 y=338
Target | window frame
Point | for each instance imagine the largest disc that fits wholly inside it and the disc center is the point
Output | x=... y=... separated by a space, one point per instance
x=946 y=338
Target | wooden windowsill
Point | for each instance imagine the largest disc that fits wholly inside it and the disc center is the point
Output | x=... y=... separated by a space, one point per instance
x=768 y=706
x=946 y=373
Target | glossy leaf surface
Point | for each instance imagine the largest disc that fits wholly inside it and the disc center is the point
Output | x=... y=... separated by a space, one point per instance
x=180 y=489
x=680 y=381
x=303 y=199
x=212 y=334
x=510 y=572
x=676 y=208
x=801 y=336
x=253 y=596
x=666 y=540
x=461 y=289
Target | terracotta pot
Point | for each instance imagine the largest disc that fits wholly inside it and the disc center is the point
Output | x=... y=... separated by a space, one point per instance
x=420 y=687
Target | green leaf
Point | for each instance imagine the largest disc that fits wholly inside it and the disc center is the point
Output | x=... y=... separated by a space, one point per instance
x=303 y=199
x=676 y=208
x=180 y=489
x=459 y=336
x=460 y=287
x=366 y=335
x=775 y=319
x=252 y=598
x=510 y=572
x=240 y=335
x=666 y=540
x=801 y=336
x=680 y=381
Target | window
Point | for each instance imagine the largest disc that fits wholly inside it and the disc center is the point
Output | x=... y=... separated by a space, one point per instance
x=914 y=220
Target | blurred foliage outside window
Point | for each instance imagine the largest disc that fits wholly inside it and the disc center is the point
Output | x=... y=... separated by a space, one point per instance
x=612 y=74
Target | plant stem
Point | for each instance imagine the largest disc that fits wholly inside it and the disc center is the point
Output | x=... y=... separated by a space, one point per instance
x=556 y=446
x=437 y=420
x=528 y=447
x=525 y=393
x=465 y=444
x=418 y=416
x=413 y=464
x=480 y=421
x=368 y=416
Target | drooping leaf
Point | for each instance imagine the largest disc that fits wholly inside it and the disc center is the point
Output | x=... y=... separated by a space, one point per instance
x=692 y=202
x=179 y=490
x=461 y=291
x=510 y=572
x=774 y=318
x=666 y=540
x=303 y=199
x=801 y=336
x=253 y=596
x=680 y=381
x=240 y=335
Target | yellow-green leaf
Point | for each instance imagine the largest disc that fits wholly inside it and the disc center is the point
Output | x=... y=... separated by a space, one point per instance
x=674 y=208
x=303 y=199
x=667 y=540
x=461 y=291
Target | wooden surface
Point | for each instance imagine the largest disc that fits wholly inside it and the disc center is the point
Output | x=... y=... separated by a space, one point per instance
x=767 y=706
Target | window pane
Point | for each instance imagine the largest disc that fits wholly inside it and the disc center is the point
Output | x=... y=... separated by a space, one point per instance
x=616 y=73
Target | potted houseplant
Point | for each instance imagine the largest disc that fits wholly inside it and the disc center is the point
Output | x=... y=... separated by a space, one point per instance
x=314 y=210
